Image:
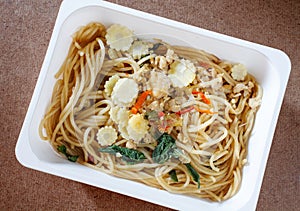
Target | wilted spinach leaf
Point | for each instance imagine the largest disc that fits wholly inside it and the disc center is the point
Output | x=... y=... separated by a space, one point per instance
x=173 y=175
x=129 y=155
x=63 y=150
x=194 y=173
x=164 y=149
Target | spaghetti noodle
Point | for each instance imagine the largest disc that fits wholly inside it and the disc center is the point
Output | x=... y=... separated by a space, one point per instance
x=172 y=117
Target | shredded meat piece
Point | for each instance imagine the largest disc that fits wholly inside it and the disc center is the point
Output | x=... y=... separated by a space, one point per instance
x=242 y=87
x=171 y=105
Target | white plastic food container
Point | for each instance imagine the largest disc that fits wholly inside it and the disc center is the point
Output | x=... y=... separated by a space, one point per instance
x=271 y=67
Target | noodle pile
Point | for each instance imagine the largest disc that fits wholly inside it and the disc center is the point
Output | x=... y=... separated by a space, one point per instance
x=210 y=117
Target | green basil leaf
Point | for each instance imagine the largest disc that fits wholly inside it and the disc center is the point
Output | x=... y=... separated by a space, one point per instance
x=194 y=173
x=173 y=175
x=129 y=155
x=109 y=150
x=72 y=158
x=164 y=149
x=63 y=150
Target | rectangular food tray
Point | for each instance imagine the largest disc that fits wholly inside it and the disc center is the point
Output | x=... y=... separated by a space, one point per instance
x=271 y=67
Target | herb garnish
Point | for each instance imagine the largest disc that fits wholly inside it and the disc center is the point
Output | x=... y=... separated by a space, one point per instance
x=63 y=150
x=173 y=175
x=193 y=173
x=166 y=149
x=131 y=156
x=155 y=46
